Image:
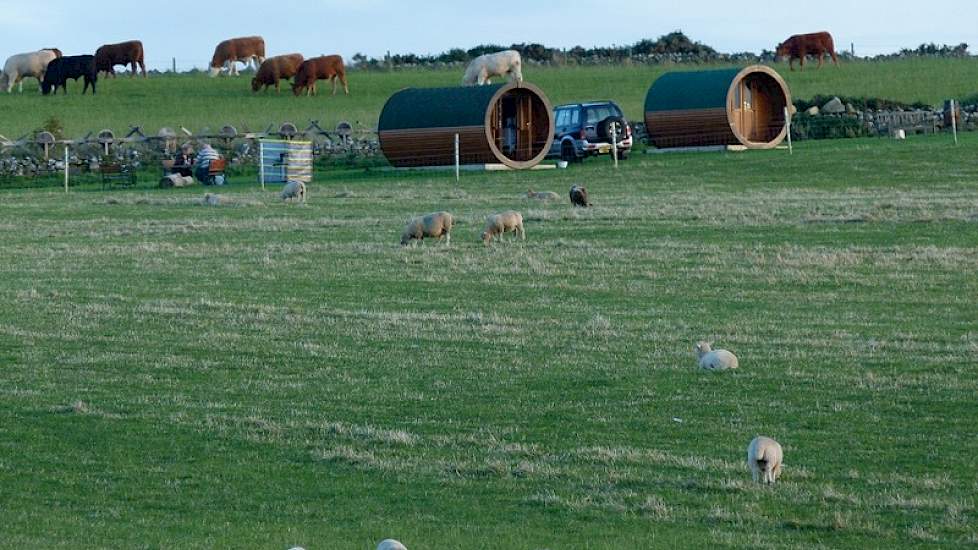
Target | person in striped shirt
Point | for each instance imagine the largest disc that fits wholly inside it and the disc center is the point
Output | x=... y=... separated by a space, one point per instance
x=204 y=158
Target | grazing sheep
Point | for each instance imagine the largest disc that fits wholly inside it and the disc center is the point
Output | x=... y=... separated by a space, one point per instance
x=437 y=225
x=711 y=359
x=764 y=456
x=578 y=196
x=211 y=199
x=497 y=224
x=390 y=544
x=293 y=190
x=542 y=195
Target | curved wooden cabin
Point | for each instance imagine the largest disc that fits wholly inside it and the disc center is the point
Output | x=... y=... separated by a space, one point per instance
x=511 y=124
x=718 y=107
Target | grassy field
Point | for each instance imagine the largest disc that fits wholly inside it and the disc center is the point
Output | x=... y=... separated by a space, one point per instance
x=263 y=375
x=198 y=102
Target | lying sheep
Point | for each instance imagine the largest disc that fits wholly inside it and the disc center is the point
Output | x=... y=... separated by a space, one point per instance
x=711 y=359
x=437 y=225
x=498 y=224
x=390 y=544
x=542 y=195
x=293 y=190
x=764 y=456
x=578 y=196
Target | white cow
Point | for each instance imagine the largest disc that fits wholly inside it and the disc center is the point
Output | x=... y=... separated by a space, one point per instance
x=23 y=65
x=486 y=66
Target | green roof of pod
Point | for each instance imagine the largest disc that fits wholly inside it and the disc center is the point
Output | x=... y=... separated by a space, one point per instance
x=437 y=107
x=679 y=91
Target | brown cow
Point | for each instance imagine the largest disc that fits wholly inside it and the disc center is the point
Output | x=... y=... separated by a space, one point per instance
x=327 y=67
x=123 y=53
x=801 y=45
x=276 y=68
x=231 y=51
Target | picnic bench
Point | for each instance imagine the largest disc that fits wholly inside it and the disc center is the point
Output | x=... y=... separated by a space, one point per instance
x=117 y=174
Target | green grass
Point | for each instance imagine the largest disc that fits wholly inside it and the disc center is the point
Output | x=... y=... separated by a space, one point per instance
x=264 y=375
x=198 y=102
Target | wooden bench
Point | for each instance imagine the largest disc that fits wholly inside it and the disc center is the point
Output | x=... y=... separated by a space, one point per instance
x=117 y=174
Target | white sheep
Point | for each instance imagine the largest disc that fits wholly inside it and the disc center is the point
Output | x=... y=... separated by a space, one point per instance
x=764 y=456
x=391 y=544
x=293 y=190
x=436 y=225
x=210 y=199
x=542 y=195
x=711 y=359
x=498 y=224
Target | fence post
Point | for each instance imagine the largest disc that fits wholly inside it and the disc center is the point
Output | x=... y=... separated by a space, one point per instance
x=787 y=125
x=614 y=142
x=456 y=159
x=261 y=163
x=174 y=65
x=954 y=122
x=66 y=168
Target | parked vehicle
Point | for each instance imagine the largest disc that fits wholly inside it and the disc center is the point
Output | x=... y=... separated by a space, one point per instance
x=586 y=129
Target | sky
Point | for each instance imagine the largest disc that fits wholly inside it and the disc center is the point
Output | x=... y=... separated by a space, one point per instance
x=176 y=29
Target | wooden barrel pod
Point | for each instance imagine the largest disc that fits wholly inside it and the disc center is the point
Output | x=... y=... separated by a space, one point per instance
x=718 y=107
x=511 y=124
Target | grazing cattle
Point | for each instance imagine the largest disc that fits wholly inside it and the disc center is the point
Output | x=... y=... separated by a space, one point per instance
x=578 y=196
x=801 y=45
x=73 y=66
x=327 y=67
x=30 y=64
x=123 y=53
x=486 y=66
x=274 y=69
x=245 y=50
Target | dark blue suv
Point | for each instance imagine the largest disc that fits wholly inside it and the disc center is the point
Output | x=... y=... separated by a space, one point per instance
x=585 y=129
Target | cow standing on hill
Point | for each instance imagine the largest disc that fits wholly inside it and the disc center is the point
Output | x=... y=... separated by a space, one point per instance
x=327 y=67
x=505 y=63
x=801 y=45
x=274 y=69
x=73 y=67
x=22 y=65
x=123 y=53
x=245 y=50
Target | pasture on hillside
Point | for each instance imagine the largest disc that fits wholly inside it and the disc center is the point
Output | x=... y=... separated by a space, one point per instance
x=197 y=101
x=266 y=375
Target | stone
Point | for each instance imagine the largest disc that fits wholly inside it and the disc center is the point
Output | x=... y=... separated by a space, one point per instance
x=834 y=106
x=812 y=111
x=850 y=110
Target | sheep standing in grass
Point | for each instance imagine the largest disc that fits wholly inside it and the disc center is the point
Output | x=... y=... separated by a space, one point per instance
x=390 y=544
x=764 y=456
x=293 y=190
x=497 y=224
x=711 y=359
x=578 y=196
x=436 y=225
x=542 y=195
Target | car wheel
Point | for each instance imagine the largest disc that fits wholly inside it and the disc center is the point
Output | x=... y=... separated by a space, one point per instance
x=567 y=152
x=604 y=128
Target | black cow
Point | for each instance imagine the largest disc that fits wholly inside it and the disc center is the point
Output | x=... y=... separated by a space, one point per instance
x=73 y=66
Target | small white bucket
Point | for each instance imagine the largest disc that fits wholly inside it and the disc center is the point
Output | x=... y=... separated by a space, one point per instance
x=900 y=134
x=561 y=164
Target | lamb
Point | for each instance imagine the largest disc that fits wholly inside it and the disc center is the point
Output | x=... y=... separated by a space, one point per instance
x=578 y=196
x=436 y=224
x=764 y=456
x=541 y=195
x=498 y=224
x=390 y=544
x=293 y=190
x=711 y=359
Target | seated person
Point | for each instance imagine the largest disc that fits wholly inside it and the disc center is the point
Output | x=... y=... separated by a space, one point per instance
x=183 y=162
x=203 y=164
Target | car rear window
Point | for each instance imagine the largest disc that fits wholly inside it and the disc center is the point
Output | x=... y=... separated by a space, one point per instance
x=600 y=112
